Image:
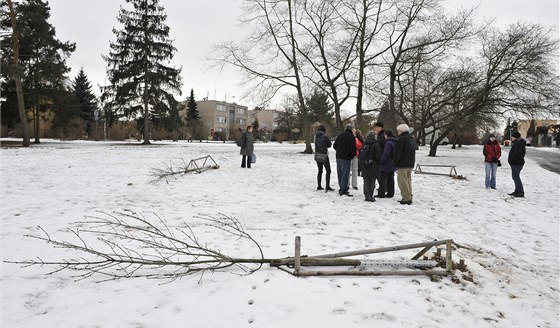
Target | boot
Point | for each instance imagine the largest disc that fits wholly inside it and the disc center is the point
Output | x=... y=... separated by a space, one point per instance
x=328 y=183
x=319 y=181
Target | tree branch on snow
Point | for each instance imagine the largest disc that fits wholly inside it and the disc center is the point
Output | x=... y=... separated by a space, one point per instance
x=198 y=165
x=128 y=245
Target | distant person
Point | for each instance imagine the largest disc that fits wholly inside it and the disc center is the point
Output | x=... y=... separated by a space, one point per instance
x=492 y=153
x=387 y=167
x=322 y=144
x=354 y=165
x=404 y=158
x=370 y=155
x=516 y=160
x=247 y=147
x=345 y=147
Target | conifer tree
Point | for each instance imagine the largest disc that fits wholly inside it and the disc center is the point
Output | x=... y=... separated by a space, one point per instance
x=137 y=71
x=86 y=99
x=41 y=57
x=193 y=116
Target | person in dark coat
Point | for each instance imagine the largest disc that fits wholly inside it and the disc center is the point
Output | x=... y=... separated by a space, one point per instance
x=322 y=144
x=361 y=140
x=492 y=153
x=369 y=157
x=247 y=147
x=387 y=167
x=378 y=128
x=404 y=158
x=345 y=147
x=516 y=160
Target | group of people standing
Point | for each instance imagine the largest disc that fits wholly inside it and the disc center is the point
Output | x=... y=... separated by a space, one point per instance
x=375 y=158
x=516 y=159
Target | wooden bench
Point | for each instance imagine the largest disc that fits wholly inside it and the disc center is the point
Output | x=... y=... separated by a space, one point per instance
x=452 y=170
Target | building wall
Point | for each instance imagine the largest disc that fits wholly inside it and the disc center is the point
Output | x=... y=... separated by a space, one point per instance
x=267 y=118
x=523 y=125
x=224 y=117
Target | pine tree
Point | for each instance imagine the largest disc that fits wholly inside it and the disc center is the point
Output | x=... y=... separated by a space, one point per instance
x=137 y=62
x=87 y=103
x=531 y=130
x=319 y=107
x=193 y=116
x=42 y=58
x=256 y=131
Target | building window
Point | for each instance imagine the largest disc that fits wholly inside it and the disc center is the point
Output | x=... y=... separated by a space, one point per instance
x=221 y=108
x=220 y=119
x=241 y=111
x=241 y=121
x=219 y=129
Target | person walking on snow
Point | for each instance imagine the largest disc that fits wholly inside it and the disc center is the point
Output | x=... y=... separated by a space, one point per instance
x=516 y=160
x=345 y=147
x=492 y=153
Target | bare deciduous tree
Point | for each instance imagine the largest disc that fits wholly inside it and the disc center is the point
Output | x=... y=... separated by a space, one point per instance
x=129 y=245
x=269 y=58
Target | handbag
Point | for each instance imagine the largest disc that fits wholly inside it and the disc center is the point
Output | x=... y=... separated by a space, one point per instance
x=320 y=157
x=253 y=158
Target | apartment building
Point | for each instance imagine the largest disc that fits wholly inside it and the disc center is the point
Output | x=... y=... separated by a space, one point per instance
x=268 y=118
x=223 y=117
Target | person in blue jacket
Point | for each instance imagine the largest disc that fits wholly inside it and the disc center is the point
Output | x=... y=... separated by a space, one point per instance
x=387 y=167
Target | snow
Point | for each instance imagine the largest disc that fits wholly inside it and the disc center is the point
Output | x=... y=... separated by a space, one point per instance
x=511 y=245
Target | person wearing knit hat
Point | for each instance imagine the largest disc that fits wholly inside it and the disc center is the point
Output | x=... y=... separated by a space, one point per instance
x=492 y=153
x=516 y=160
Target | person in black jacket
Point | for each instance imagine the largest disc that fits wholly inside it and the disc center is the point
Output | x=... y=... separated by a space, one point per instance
x=404 y=158
x=369 y=158
x=516 y=160
x=380 y=130
x=345 y=146
x=322 y=144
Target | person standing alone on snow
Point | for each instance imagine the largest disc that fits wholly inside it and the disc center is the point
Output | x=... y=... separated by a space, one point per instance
x=492 y=153
x=247 y=147
x=404 y=158
x=345 y=147
x=369 y=158
x=322 y=144
x=516 y=160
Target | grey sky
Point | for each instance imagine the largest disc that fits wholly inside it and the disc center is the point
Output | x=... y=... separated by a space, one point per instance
x=196 y=25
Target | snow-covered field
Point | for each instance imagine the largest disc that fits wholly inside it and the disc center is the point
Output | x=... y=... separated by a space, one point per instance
x=513 y=252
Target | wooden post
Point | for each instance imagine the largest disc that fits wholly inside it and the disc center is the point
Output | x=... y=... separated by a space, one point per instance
x=385 y=249
x=297 y=262
x=448 y=258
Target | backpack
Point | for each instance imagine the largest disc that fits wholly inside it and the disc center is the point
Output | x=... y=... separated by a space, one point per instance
x=364 y=156
x=241 y=141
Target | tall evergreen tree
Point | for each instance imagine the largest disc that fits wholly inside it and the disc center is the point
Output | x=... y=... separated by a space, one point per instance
x=42 y=58
x=137 y=62
x=87 y=102
x=532 y=129
x=319 y=107
x=193 y=115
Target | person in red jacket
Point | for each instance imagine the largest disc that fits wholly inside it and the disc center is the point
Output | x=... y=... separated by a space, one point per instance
x=492 y=153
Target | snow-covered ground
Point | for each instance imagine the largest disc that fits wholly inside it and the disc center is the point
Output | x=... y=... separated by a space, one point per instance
x=512 y=254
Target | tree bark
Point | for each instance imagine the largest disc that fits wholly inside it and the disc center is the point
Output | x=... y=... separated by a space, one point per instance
x=17 y=78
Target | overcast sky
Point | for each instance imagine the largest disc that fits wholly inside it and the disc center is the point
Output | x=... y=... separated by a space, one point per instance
x=196 y=25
